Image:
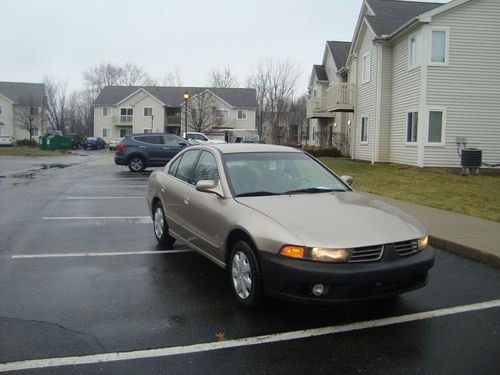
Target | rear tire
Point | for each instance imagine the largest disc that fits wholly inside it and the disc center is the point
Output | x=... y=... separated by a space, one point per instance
x=136 y=164
x=244 y=274
x=160 y=226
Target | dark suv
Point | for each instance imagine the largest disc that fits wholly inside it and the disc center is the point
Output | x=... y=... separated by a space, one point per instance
x=139 y=151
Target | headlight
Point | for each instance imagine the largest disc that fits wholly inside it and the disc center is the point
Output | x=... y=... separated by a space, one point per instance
x=422 y=242
x=318 y=254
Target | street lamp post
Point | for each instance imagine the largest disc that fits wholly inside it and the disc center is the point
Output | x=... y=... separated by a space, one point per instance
x=186 y=97
x=152 y=119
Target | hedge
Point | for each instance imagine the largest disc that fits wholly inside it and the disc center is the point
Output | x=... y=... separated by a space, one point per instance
x=322 y=151
x=27 y=142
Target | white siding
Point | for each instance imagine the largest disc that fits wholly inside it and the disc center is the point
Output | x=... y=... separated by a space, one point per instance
x=385 y=104
x=469 y=87
x=7 y=117
x=366 y=98
x=405 y=98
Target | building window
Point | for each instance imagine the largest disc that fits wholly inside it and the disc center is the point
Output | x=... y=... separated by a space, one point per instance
x=242 y=115
x=148 y=111
x=33 y=111
x=411 y=127
x=1 y=109
x=222 y=114
x=364 y=130
x=35 y=132
x=106 y=132
x=126 y=114
x=414 y=50
x=439 y=42
x=124 y=132
x=436 y=127
x=147 y=131
x=106 y=112
x=366 y=68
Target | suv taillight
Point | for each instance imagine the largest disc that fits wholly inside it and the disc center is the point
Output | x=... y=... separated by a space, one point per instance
x=120 y=147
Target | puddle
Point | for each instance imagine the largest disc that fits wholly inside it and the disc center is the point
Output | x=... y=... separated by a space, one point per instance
x=25 y=175
x=57 y=165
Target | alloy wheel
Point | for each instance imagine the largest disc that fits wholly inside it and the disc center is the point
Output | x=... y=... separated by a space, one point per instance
x=241 y=274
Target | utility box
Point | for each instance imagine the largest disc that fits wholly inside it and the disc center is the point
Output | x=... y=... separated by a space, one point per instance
x=471 y=159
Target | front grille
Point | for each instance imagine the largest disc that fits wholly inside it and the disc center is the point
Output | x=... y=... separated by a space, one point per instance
x=366 y=254
x=406 y=248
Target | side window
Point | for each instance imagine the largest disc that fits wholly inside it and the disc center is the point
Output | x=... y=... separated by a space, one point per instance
x=206 y=169
x=152 y=139
x=172 y=141
x=173 y=166
x=186 y=166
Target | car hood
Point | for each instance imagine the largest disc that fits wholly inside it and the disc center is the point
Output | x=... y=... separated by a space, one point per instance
x=339 y=219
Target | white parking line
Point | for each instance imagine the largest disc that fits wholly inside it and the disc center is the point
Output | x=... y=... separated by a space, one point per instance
x=249 y=341
x=121 y=178
x=135 y=219
x=110 y=186
x=75 y=198
x=108 y=254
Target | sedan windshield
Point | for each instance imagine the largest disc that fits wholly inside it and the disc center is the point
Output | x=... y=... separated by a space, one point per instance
x=276 y=173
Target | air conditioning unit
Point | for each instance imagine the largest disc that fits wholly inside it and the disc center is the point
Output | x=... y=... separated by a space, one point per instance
x=471 y=159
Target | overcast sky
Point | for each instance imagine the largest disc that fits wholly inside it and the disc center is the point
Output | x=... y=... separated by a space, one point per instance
x=62 y=38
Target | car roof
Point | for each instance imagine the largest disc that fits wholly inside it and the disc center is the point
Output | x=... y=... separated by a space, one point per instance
x=233 y=148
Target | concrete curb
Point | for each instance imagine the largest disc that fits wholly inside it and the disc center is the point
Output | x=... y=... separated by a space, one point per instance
x=466 y=251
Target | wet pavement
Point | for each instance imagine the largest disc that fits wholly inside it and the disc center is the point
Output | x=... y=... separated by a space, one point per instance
x=81 y=275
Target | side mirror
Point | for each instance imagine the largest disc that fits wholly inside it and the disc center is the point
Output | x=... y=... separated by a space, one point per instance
x=347 y=179
x=210 y=186
x=183 y=144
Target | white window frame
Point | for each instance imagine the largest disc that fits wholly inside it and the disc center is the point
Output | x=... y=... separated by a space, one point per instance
x=1 y=129
x=243 y=111
x=110 y=111
x=222 y=110
x=35 y=131
x=1 y=109
x=110 y=132
x=366 y=77
x=33 y=111
x=407 y=142
x=147 y=130
x=120 y=132
x=446 y=30
x=417 y=37
x=443 y=126
x=144 y=110
x=365 y=141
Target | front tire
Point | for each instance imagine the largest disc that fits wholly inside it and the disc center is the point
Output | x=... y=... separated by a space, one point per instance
x=136 y=164
x=245 y=278
x=160 y=227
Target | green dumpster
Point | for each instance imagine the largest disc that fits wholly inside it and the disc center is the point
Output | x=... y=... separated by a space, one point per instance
x=54 y=142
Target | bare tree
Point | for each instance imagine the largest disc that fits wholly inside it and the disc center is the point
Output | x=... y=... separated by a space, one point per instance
x=275 y=83
x=222 y=78
x=56 y=103
x=174 y=78
x=297 y=119
x=133 y=75
x=202 y=113
x=27 y=114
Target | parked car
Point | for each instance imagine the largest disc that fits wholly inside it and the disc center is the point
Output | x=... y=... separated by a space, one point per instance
x=76 y=140
x=200 y=138
x=114 y=142
x=93 y=143
x=140 y=151
x=285 y=225
x=6 y=140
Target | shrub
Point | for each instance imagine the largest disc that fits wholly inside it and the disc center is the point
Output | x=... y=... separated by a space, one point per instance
x=323 y=151
x=27 y=142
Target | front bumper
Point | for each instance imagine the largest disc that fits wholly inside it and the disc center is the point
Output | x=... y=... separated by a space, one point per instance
x=293 y=279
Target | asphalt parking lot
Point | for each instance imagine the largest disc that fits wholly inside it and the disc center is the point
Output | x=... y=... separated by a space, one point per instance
x=84 y=289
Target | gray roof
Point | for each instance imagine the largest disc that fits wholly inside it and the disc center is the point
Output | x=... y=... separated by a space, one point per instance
x=320 y=72
x=23 y=92
x=340 y=51
x=172 y=96
x=390 y=15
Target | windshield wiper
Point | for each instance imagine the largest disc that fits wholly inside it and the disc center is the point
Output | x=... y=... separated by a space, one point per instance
x=312 y=190
x=256 y=194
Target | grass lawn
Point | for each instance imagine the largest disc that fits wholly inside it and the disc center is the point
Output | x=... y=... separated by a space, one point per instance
x=470 y=195
x=27 y=151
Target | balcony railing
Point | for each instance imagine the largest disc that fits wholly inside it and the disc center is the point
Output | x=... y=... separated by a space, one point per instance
x=340 y=97
x=172 y=120
x=317 y=108
x=122 y=120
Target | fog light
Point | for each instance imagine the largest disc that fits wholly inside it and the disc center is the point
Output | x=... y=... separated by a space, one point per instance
x=422 y=242
x=318 y=289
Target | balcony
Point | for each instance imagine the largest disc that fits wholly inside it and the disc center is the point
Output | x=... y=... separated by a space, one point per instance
x=340 y=97
x=122 y=120
x=316 y=108
x=172 y=120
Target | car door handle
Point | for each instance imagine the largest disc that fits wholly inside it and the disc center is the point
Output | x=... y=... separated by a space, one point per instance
x=142 y=146
x=163 y=187
x=166 y=148
x=186 y=200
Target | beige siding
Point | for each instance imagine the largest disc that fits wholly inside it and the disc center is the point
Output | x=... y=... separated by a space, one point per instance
x=405 y=98
x=141 y=122
x=469 y=87
x=331 y=69
x=366 y=96
x=385 y=104
x=6 y=117
x=101 y=122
